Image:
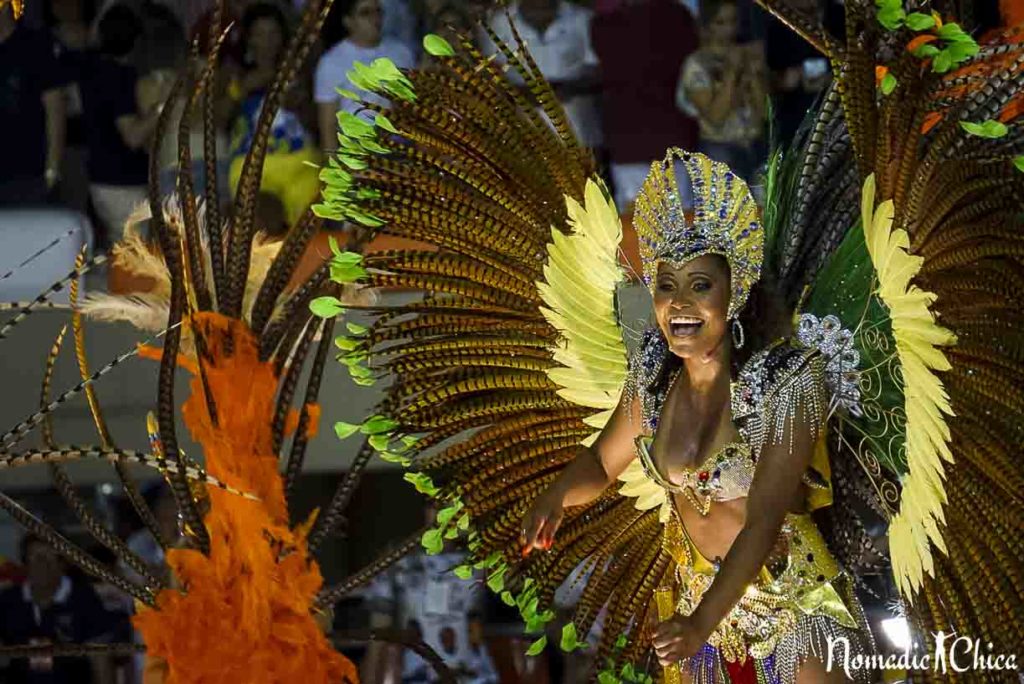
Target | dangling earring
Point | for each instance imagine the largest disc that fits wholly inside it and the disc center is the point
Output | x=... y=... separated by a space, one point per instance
x=737 y=334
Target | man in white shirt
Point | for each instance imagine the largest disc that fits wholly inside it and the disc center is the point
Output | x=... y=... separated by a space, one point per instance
x=363 y=21
x=557 y=33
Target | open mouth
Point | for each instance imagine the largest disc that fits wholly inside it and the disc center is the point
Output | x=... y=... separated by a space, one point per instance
x=684 y=326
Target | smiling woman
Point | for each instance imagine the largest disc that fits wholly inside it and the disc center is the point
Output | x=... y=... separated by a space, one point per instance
x=733 y=451
x=691 y=309
x=727 y=429
x=691 y=303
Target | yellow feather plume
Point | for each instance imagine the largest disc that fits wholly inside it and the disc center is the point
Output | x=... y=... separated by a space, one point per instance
x=579 y=293
x=926 y=403
x=579 y=285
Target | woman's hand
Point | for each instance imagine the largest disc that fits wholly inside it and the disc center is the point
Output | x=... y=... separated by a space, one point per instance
x=542 y=520
x=677 y=638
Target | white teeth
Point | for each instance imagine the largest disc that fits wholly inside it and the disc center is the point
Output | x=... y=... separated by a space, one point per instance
x=684 y=320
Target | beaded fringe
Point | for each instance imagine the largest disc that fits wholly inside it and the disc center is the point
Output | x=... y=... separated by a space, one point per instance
x=810 y=638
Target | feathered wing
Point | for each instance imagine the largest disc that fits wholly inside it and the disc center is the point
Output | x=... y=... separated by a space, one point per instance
x=926 y=404
x=578 y=291
x=930 y=281
x=513 y=355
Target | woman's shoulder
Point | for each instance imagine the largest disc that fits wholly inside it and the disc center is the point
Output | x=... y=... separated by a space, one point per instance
x=780 y=354
x=778 y=365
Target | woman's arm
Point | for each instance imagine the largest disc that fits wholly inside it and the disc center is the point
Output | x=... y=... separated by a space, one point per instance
x=775 y=490
x=327 y=122
x=56 y=131
x=137 y=129
x=755 y=82
x=583 y=480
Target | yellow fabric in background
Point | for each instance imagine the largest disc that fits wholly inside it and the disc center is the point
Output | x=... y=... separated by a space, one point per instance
x=288 y=177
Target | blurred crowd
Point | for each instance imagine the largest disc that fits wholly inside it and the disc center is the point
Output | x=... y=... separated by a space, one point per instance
x=85 y=82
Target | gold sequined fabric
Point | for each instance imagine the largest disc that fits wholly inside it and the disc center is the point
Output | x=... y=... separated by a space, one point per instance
x=801 y=597
x=799 y=600
x=727 y=475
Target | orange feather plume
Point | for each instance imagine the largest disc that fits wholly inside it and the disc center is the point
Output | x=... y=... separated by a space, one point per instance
x=245 y=612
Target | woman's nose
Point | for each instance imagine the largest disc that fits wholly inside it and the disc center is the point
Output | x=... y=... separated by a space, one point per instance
x=680 y=302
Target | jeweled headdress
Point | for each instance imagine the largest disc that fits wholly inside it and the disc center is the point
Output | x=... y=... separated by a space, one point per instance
x=724 y=221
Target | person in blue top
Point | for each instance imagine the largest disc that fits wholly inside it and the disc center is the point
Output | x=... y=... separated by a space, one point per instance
x=286 y=176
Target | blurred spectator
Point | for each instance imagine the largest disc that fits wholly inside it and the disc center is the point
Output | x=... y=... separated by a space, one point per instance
x=119 y=607
x=162 y=45
x=156 y=87
x=32 y=113
x=421 y=594
x=50 y=608
x=400 y=24
x=287 y=174
x=641 y=45
x=451 y=21
x=361 y=22
x=231 y=48
x=119 y=134
x=69 y=21
x=557 y=33
x=161 y=501
x=799 y=72
x=11 y=572
x=724 y=86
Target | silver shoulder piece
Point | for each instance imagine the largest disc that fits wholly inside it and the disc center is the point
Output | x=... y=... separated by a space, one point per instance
x=842 y=374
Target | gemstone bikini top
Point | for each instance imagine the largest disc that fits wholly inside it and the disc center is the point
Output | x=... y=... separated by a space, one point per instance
x=793 y=382
x=725 y=476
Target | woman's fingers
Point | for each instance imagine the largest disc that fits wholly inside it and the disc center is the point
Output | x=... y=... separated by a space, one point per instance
x=668 y=651
x=665 y=635
x=547 y=533
x=539 y=533
x=532 y=526
x=665 y=662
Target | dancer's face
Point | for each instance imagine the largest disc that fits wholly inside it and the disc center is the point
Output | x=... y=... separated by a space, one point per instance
x=691 y=305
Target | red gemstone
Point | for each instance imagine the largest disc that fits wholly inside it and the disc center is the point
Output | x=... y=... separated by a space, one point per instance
x=703 y=476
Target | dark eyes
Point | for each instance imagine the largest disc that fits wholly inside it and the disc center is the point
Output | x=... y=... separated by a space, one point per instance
x=697 y=285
